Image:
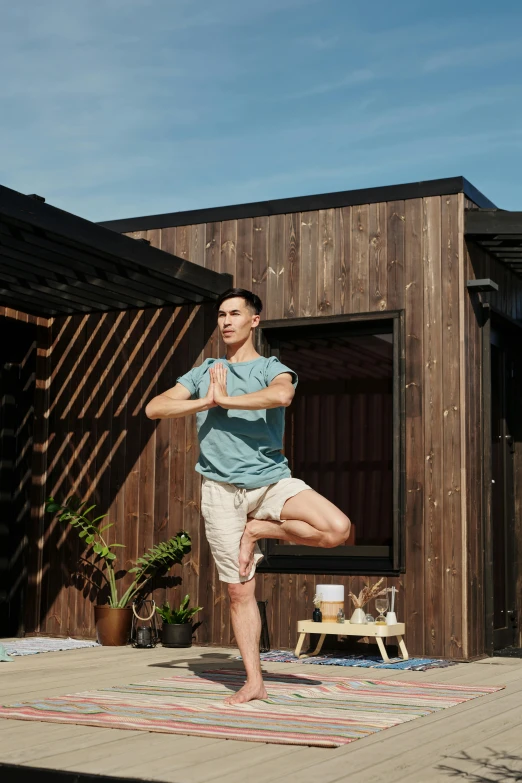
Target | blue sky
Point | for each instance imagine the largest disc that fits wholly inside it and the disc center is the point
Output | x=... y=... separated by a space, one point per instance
x=117 y=108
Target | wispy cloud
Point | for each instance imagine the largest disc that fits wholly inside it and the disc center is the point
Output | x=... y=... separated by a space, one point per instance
x=485 y=54
x=139 y=106
x=352 y=80
x=318 y=43
x=382 y=147
x=379 y=165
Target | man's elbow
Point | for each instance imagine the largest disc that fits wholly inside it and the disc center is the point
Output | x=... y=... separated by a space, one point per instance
x=285 y=397
x=150 y=409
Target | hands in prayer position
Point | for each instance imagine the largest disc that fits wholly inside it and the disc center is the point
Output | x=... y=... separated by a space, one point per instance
x=217 y=390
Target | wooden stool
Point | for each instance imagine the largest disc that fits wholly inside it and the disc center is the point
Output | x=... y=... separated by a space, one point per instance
x=350 y=629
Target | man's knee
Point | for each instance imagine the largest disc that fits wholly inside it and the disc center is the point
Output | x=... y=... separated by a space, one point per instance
x=338 y=531
x=241 y=592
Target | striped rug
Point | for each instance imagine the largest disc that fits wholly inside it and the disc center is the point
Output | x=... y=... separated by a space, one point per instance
x=31 y=645
x=300 y=709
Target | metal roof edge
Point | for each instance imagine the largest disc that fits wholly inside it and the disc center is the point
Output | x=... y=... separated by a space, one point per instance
x=436 y=187
x=475 y=195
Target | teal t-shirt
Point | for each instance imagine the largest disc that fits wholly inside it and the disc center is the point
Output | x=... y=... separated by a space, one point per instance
x=237 y=446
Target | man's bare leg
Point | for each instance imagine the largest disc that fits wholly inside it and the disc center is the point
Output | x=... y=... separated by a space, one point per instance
x=308 y=519
x=246 y=623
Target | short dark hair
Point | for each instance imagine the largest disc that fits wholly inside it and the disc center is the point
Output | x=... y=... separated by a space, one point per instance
x=252 y=300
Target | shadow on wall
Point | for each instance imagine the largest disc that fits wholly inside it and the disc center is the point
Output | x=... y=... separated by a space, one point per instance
x=17 y=390
x=104 y=369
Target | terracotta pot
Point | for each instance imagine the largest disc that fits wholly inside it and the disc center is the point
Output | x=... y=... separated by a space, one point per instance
x=113 y=626
x=176 y=635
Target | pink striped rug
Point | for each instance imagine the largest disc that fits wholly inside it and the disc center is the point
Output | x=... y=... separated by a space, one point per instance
x=325 y=711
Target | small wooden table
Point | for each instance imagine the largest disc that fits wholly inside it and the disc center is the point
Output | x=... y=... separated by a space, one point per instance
x=350 y=629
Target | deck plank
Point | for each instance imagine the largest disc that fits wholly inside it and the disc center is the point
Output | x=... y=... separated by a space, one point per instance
x=504 y=742
x=78 y=744
x=485 y=729
x=15 y=730
x=122 y=752
x=151 y=757
x=491 y=721
x=230 y=759
x=406 y=747
x=199 y=761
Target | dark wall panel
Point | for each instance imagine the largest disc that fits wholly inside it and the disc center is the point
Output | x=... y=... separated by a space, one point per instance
x=507 y=301
x=18 y=336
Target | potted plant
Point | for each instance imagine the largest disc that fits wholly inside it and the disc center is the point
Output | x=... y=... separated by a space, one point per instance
x=113 y=621
x=177 y=623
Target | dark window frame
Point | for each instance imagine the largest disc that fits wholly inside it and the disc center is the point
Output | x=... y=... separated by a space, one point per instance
x=368 y=560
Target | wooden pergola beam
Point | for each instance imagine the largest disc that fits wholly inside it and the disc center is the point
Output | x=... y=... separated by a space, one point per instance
x=498 y=232
x=67 y=264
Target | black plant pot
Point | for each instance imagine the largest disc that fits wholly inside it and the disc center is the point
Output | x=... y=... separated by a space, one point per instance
x=176 y=635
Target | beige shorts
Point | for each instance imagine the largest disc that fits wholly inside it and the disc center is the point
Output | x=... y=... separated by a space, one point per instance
x=225 y=509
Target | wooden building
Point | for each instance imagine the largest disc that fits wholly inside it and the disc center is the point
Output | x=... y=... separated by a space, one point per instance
x=401 y=310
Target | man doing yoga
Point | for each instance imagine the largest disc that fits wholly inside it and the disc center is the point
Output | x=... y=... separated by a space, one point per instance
x=247 y=491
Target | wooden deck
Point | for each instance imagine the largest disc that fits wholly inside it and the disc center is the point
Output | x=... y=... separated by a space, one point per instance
x=474 y=738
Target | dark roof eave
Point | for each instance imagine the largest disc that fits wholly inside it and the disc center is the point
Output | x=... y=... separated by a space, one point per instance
x=435 y=187
x=492 y=222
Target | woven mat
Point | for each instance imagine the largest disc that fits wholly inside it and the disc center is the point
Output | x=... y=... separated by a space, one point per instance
x=323 y=711
x=42 y=644
x=368 y=662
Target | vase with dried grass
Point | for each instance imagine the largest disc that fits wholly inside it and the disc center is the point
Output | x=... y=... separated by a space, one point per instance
x=367 y=594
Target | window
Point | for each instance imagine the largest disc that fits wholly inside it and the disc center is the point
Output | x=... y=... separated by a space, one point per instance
x=343 y=436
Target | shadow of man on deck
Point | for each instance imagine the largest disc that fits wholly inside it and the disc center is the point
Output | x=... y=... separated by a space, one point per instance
x=220 y=673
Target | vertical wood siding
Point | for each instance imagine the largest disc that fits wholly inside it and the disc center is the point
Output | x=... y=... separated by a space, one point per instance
x=399 y=255
x=508 y=301
x=359 y=259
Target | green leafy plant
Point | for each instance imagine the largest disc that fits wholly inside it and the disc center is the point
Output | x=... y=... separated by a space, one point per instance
x=177 y=616
x=157 y=559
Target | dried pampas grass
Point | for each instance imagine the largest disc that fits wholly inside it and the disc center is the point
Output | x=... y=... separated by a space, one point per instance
x=368 y=593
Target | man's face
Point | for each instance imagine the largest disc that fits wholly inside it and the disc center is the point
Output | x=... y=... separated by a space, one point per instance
x=236 y=321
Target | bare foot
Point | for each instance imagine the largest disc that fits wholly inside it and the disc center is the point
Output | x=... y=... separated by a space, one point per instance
x=246 y=553
x=249 y=692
